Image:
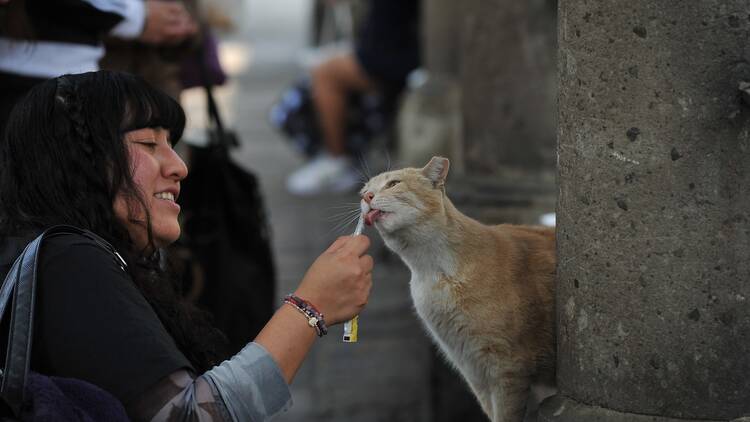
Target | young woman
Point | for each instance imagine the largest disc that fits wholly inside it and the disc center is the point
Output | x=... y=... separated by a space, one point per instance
x=95 y=151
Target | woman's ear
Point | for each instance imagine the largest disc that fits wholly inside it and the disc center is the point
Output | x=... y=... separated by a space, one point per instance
x=437 y=170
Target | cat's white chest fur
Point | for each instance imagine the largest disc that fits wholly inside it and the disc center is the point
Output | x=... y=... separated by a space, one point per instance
x=435 y=304
x=431 y=298
x=433 y=268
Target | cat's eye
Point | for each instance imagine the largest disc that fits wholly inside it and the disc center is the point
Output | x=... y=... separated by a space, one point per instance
x=392 y=183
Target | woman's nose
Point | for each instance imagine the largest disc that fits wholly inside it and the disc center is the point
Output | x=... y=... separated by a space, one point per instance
x=368 y=197
x=174 y=166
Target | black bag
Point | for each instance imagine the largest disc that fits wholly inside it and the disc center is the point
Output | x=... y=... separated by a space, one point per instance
x=367 y=116
x=226 y=233
x=28 y=395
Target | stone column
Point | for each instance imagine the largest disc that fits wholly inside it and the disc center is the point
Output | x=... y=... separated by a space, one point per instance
x=508 y=81
x=441 y=23
x=653 y=212
x=429 y=122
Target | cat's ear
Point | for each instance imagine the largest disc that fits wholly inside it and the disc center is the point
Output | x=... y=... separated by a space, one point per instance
x=437 y=170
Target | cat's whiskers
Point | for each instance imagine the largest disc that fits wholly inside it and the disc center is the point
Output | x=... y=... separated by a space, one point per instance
x=346 y=214
x=343 y=213
x=362 y=176
x=344 y=226
x=346 y=219
x=345 y=205
x=365 y=167
x=362 y=171
x=337 y=218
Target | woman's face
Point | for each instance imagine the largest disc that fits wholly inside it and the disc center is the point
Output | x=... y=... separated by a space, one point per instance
x=157 y=171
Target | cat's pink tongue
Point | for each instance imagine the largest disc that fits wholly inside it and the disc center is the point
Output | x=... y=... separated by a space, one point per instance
x=371 y=216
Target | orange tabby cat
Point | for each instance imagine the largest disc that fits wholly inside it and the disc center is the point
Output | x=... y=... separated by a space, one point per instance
x=485 y=293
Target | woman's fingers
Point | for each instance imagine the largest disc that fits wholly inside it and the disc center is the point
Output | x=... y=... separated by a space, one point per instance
x=357 y=245
x=338 y=244
x=339 y=281
x=367 y=263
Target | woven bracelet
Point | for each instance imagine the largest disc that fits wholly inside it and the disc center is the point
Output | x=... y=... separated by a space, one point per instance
x=314 y=317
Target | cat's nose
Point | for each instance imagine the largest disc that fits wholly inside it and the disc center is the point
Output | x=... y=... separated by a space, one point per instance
x=368 y=197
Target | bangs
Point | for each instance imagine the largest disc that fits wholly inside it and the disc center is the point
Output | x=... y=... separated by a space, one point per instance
x=146 y=107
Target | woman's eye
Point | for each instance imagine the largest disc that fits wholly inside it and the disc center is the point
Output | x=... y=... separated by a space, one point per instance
x=149 y=145
x=392 y=183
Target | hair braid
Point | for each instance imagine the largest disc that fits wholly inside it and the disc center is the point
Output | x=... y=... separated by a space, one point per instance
x=67 y=96
x=72 y=112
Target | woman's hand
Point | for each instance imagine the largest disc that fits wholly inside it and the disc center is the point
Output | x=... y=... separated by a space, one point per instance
x=167 y=23
x=338 y=282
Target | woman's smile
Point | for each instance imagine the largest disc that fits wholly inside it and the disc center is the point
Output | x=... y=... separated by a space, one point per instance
x=168 y=198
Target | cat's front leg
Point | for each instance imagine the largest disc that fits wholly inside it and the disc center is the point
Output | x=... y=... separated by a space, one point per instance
x=509 y=401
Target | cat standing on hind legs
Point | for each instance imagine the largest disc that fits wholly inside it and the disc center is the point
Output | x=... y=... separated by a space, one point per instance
x=484 y=293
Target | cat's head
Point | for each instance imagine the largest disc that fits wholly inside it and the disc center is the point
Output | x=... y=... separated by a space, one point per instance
x=405 y=198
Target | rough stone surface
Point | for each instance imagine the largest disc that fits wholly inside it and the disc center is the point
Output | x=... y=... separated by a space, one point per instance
x=430 y=117
x=495 y=203
x=508 y=80
x=561 y=409
x=653 y=221
x=429 y=122
x=440 y=46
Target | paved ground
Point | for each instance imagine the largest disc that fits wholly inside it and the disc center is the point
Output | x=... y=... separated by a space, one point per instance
x=386 y=376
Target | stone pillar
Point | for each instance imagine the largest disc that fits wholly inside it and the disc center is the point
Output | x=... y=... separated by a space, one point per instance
x=487 y=91
x=441 y=22
x=508 y=81
x=653 y=212
x=430 y=119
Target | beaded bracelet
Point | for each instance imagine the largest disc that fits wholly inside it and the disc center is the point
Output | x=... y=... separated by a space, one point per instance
x=314 y=317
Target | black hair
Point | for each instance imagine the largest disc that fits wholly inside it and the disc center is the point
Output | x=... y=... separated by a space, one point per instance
x=63 y=161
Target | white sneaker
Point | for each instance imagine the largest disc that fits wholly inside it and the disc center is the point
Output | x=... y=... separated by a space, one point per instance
x=323 y=174
x=549 y=219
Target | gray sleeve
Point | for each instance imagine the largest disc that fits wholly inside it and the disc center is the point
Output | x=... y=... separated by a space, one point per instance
x=251 y=385
x=248 y=387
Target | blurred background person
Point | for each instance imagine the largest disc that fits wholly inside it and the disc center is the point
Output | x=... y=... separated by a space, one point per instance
x=44 y=39
x=157 y=57
x=386 y=50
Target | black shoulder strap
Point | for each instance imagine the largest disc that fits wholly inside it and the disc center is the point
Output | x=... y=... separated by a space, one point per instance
x=20 y=284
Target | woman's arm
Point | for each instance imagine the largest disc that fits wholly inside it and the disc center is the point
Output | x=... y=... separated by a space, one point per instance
x=338 y=284
x=253 y=385
x=247 y=387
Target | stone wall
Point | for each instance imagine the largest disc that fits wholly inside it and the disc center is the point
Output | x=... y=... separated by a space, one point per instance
x=653 y=234
x=486 y=99
x=508 y=80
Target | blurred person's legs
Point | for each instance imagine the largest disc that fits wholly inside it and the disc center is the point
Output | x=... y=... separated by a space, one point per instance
x=332 y=83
